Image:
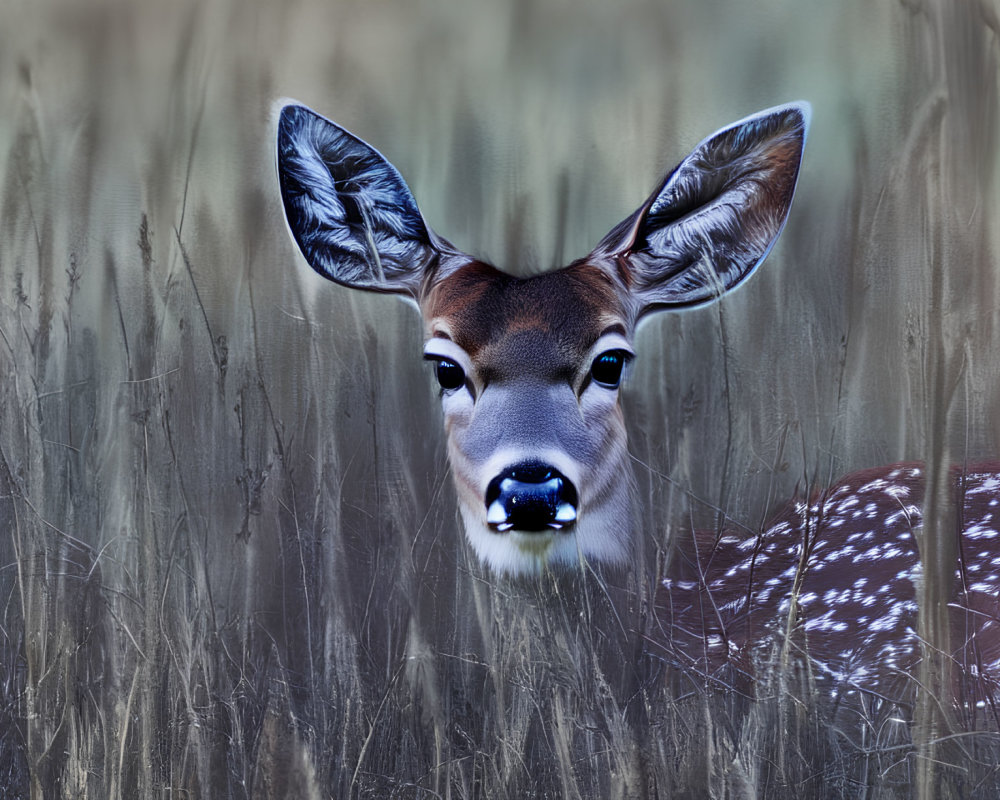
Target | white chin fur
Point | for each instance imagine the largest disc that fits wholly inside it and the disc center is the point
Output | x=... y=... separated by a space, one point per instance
x=514 y=553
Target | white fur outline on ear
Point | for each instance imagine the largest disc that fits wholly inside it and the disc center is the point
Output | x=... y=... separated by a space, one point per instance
x=348 y=208
x=715 y=217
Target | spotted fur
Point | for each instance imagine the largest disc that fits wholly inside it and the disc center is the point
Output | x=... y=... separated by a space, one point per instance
x=841 y=574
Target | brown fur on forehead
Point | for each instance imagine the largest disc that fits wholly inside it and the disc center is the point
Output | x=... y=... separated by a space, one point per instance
x=559 y=314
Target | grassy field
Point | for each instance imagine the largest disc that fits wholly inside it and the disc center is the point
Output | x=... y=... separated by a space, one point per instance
x=231 y=558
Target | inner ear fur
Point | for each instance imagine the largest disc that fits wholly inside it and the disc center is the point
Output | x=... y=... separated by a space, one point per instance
x=349 y=210
x=716 y=216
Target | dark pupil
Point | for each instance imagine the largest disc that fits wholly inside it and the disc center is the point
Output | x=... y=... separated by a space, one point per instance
x=607 y=368
x=449 y=374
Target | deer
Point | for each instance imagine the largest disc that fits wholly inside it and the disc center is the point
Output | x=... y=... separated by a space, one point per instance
x=530 y=371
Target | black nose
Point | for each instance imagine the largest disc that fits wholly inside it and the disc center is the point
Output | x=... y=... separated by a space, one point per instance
x=530 y=497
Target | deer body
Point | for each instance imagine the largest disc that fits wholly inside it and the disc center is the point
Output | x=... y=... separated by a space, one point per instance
x=530 y=369
x=838 y=576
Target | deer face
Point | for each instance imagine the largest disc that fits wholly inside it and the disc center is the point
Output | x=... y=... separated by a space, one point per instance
x=529 y=372
x=530 y=368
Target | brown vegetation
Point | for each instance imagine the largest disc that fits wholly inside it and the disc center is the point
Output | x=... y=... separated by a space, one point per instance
x=231 y=563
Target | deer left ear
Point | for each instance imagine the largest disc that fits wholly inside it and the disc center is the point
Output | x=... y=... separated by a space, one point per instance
x=716 y=216
x=349 y=209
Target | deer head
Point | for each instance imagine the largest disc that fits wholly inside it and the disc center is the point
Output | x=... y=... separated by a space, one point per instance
x=530 y=368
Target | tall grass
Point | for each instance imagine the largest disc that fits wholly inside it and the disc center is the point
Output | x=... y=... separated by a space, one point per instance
x=231 y=561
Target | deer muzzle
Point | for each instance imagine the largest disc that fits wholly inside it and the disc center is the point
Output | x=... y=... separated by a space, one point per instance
x=532 y=497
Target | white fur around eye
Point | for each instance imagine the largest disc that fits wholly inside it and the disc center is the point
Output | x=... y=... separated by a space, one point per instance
x=609 y=341
x=447 y=349
x=456 y=403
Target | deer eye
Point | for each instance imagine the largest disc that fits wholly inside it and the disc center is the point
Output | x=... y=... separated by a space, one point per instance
x=607 y=368
x=448 y=373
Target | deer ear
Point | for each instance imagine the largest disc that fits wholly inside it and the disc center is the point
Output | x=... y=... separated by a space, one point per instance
x=350 y=211
x=716 y=216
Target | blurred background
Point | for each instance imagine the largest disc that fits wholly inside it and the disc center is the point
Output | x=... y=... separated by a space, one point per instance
x=230 y=558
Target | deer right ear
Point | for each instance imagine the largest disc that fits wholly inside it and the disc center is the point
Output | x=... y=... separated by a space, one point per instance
x=716 y=216
x=352 y=215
